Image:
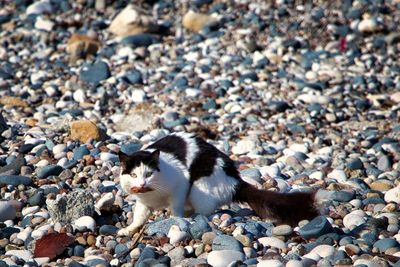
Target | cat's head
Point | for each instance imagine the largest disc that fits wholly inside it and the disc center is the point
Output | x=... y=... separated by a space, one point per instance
x=139 y=171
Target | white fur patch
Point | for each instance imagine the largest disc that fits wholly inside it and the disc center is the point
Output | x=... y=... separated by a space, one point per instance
x=209 y=193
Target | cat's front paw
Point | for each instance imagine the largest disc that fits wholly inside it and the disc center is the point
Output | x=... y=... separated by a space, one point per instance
x=127 y=231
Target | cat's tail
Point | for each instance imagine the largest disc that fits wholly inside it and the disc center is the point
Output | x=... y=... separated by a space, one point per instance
x=279 y=207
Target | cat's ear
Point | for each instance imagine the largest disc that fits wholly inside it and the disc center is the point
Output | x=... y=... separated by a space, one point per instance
x=123 y=159
x=155 y=155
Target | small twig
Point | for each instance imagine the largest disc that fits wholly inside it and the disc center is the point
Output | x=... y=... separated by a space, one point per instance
x=133 y=245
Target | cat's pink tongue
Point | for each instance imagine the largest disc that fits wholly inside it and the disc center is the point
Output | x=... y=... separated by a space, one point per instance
x=137 y=189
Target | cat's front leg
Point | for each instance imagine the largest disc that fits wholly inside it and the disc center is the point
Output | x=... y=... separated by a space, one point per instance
x=140 y=217
x=178 y=202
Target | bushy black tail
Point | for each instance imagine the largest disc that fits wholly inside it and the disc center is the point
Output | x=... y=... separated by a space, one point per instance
x=289 y=208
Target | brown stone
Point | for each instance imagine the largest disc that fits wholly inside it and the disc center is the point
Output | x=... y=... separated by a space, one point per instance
x=132 y=20
x=13 y=101
x=381 y=186
x=194 y=22
x=81 y=240
x=91 y=240
x=85 y=131
x=32 y=122
x=81 y=46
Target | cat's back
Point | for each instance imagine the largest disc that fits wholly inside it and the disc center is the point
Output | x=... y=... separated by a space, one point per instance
x=199 y=157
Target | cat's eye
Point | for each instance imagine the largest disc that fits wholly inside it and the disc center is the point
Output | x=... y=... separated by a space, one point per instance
x=133 y=175
x=148 y=174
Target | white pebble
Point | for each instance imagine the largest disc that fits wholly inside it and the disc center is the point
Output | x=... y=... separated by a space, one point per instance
x=138 y=96
x=86 y=221
x=272 y=242
x=270 y=263
x=222 y=258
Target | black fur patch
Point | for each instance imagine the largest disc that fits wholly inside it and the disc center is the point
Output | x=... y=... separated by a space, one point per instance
x=172 y=144
x=128 y=163
x=206 y=159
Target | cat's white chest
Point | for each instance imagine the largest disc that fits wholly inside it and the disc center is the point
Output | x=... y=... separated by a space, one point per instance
x=154 y=199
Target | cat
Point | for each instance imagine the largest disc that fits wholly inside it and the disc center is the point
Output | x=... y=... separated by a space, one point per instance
x=183 y=172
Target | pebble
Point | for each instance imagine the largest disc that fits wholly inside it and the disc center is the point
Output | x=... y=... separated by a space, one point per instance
x=223 y=258
x=7 y=211
x=315 y=228
x=283 y=230
x=226 y=242
x=272 y=242
x=86 y=222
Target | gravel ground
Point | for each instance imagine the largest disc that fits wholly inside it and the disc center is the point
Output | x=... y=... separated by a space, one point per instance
x=302 y=96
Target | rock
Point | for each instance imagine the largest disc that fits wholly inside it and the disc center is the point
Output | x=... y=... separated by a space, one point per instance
x=195 y=22
x=226 y=242
x=315 y=228
x=95 y=73
x=14 y=167
x=175 y=235
x=199 y=227
x=25 y=255
x=105 y=202
x=132 y=20
x=49 y=170
x=381 y=185
x=15 y=180
x=7 y=211
x=272 y=242
x=133 y=77
x=393 y=195
x=384 y=163
x=243 y=147
x=355 y=164
x=163 y=226
x=223 y=258
x=342 y=196
x=384 y=244
x=80 y=152
x=39 y=7
x=140 y=40
x=252 y=173
x=270 y=263
x=81 y=46
x=283 y=229
x=85 y=131
x=338 y=175
x=323 y=250
x=85 y=222
x=13 y=101
x=70 y=207
x=108 y=230
x=177 y=255
x=44 y=24
x=135 y=122
x=130 y=148
x=352 y=220
x=368 y=25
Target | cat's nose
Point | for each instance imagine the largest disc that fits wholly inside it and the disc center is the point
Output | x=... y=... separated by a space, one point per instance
x=142 y=184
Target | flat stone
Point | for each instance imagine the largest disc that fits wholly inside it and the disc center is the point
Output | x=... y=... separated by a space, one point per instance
x=163 y=226
x=7 y=211
x=384 y=244
x=226 y=242
x=85 y=131
x=272 y=242
x=282 y=230
x=15 y=180
x=199 y=227
x=315 y=228
x=95 y=73
x=50 y=170
x=223 y=258
x=14 y=167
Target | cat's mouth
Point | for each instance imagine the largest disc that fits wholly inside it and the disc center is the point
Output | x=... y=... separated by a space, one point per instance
x=138 y=189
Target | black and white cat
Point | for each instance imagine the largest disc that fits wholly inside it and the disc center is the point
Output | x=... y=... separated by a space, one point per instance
x=186 y=174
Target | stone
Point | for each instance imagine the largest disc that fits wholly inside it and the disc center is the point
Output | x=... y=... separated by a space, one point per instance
x=7 y=211
x=272 y=242
x=163 y=226
x=355 y=164
x=226 y=242
x=130 y=148
x=177 y=255
x=243 y=147
x=44 y=24
x=82 y=46
x=195 y=22
x=14 y=167
x=392 y=195
x=351 y=220
x=133 y=77
x=315 y=228
x=223 y=258
x=108 y=230
x=368 y=25
x=13 y=101
x=140 y=40
x=175 y=235
x=384 y=244
x=39 y=7
x=283 y=230
x=132 y=20
x=3 y=124
x=80 y=152
x=323 y=250
x=85 y=131
x=15 y=180
x=135 y=122
x=199 y=227
x=342 y=196
x=85 y=222
x=338 y=175
x=70 y=207
x=381 y=185
x=95 y=73
x=384 y=163
x=25 y=255
x=49 y=170
x=270 y=263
